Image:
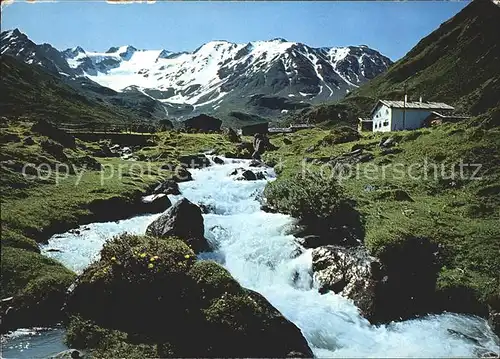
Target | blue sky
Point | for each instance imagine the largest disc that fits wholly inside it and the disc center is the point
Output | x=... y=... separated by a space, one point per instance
x=393 y=28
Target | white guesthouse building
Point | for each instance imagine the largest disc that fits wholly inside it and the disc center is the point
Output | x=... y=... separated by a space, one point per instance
x=401 y=115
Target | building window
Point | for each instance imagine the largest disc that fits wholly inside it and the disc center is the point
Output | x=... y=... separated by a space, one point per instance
x=386 y=123
x=386 y=111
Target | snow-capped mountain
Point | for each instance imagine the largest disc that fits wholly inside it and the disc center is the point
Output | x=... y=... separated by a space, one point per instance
x=138 y=104
x=219 y=74
x=17 y=44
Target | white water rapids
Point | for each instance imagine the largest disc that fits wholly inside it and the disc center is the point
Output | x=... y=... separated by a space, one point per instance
x=255 y=247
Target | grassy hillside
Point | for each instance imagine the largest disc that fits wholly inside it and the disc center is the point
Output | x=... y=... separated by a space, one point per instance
x=459 y=214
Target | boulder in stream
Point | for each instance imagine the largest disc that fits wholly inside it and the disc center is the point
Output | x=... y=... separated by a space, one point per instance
x=182 y=175
x=218 y=160
x=400 y=283
x=350 y=272
x=183 y=220
x=247 y=175
x=155 y=203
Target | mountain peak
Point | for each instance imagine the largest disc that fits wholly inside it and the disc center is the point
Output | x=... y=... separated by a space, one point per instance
x=14 y=33
x=112 y=49
x=212 y=45
x=278 y=39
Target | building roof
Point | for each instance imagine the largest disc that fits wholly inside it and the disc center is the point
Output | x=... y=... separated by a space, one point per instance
x=414 y=105
x=280 y=129
x=420 y=105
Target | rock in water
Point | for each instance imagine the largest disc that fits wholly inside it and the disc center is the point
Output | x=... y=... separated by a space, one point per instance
x=184 y=220
x=256 y=163
x=350 y=272
x=249 y=175
x=155 y=203
x=182 y=175
x=218 y=160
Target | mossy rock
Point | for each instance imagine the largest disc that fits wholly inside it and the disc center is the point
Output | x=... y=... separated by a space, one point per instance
x=154 y=292
x=105 y=343
x=238 y=317
x=142 y=276
x=213 y=280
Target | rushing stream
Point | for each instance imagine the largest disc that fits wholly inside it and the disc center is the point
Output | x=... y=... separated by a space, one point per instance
x=255 y=247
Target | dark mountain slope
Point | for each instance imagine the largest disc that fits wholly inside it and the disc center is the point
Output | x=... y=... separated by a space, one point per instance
x=32 y=92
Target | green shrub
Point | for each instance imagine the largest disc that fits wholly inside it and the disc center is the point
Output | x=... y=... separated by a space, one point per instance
x=144 y=258
x=308 y=197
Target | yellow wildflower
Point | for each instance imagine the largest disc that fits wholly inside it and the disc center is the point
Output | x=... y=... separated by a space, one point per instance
x=113 y=258
x=187 y=256
x=143 y=255
x=151 y=265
